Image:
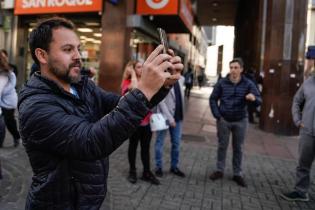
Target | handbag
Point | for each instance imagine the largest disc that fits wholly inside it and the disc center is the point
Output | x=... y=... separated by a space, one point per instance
x=158 y=122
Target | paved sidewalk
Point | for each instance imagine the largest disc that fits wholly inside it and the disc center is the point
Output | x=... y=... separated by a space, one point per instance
x=269 y=168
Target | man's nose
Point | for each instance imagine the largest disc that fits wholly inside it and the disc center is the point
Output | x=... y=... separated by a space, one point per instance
x=77 y=54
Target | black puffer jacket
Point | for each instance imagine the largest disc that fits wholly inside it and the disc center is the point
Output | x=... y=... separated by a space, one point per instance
x=68 y=140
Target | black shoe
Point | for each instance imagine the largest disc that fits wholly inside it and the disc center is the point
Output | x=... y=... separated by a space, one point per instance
x=177 y=172
x=240 y=181
x=132 y=177
x=159 y=172
x=216 y=175
x=148 y=176
x=295 y=196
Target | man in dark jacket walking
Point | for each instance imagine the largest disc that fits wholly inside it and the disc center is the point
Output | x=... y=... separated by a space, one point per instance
x=233 y=93
x=69 y=126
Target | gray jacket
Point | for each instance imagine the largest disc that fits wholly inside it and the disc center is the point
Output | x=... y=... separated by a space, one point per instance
x=303 y=107
x=167 y=106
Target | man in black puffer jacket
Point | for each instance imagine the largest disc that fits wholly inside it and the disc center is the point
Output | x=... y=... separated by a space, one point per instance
x=69 y=126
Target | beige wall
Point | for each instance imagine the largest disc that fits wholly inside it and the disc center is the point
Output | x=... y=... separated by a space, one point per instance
x=310 y=40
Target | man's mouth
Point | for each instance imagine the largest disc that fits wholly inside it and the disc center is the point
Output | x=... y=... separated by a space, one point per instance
x=76 y=65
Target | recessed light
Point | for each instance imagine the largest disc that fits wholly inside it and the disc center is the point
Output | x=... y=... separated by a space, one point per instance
x=85 y=30
x=92 y=24
x=215 y=4
x=97 y=34
x=90 y=40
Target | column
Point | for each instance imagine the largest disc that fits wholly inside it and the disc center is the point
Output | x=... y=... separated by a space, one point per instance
x=115 y=48
x=283 y=63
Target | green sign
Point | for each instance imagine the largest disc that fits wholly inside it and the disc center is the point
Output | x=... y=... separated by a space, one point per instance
x=7 y=23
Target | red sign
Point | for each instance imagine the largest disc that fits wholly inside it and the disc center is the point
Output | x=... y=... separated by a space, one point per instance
x=157 y=7
x=23 y=7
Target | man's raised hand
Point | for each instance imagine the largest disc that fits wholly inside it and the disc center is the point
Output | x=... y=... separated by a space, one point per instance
x=155 y=72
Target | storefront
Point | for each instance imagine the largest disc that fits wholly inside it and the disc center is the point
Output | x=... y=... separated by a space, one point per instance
x=173 y=16
x=8 y=24
x=111 y=32
x=84 y=13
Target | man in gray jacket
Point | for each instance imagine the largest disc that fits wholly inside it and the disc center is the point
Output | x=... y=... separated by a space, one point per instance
x=303 y=110
x=172 y=108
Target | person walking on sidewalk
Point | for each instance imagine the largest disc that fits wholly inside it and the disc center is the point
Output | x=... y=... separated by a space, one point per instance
x=8 y=106
x=69 y=126
x=189 y=81
x=303 y=110
x=228 y=105
x=132 y=75
x=8 y=96
x=5 y=88
x=172 y=108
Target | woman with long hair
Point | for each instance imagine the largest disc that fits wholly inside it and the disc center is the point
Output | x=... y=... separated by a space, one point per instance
x=8 y=94
x=143 y=134
x=9 y=104
x=4 y=79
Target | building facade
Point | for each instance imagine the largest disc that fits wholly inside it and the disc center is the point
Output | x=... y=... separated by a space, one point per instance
x=112 y=32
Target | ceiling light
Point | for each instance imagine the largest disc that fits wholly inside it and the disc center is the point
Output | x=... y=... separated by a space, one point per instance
x=92 y=24
x=215 y=4
x=85 y=30
x=97 y=34
x=214 y=19
x=90 y=39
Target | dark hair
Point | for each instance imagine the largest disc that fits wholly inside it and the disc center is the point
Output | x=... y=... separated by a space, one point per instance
x=4 y=65
x=4 y=52
x=41 y=35
x=239 y=61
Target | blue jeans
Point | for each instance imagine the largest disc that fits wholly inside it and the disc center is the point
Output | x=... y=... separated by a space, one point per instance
x=176 y=135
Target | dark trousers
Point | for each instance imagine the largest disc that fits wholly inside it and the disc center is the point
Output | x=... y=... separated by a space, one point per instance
x=238 y=130
x=10 y=122
x=142 y=134
x=2 y=135
x=2 y=130
x=188 y=89
x=306 y=158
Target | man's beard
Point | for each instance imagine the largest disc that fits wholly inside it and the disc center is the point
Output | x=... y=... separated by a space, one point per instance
x=64 y=75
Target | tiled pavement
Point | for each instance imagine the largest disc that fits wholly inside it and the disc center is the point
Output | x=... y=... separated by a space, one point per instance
x=269 y=168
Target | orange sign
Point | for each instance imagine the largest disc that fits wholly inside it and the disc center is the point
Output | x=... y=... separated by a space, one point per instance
x=24 y=7
x=157 y=7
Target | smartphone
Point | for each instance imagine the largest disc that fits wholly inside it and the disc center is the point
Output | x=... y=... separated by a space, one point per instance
x=164 y=42
x=163 y=39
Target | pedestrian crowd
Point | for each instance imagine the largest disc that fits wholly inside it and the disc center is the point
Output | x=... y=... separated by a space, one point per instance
x=70 y=126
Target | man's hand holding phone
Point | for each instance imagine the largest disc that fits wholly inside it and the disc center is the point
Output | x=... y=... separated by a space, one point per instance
x=175 y=60
x=155 y=72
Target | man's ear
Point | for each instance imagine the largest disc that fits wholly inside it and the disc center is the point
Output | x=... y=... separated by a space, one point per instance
x=41 y=55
